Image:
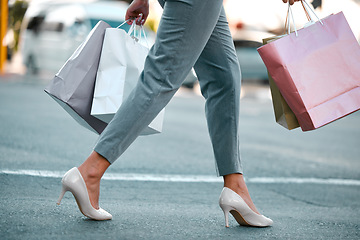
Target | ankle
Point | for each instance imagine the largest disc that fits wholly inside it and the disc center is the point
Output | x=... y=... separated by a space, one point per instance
x=89 y=173
x=235 y=181
x=94 y=167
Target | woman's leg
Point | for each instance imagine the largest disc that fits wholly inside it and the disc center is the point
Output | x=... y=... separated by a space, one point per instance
x=219 y=75
x=184 y=30
x=92 y=170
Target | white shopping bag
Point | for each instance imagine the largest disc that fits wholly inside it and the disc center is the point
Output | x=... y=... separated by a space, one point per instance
x=121 y=62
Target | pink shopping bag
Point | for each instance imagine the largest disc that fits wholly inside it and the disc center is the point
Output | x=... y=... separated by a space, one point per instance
x=317 y=70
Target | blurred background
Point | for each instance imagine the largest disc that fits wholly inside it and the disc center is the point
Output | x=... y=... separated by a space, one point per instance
x=38 y=36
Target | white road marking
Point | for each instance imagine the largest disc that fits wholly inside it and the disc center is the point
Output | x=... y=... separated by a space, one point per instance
x=188 y=178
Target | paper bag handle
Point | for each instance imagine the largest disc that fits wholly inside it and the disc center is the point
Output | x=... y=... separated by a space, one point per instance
x=133 y=30
x=306 y=7
x=287 y=22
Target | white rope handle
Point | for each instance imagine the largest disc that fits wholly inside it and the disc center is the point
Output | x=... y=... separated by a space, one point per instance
x=307 y=7
x=290 y=13
x=133 y=30
x=140 y=33
x=123 y=23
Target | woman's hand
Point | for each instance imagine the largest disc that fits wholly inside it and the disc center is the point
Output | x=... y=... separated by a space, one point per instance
x=291 y=1
x=138 y=11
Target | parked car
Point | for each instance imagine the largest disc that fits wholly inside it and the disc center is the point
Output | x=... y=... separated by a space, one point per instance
x=52 y=30
x=246 y=43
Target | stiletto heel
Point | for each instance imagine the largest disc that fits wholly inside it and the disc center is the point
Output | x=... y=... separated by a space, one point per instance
x=231 y=202
x=226 y=214
x=74 y=182
x=63 y=191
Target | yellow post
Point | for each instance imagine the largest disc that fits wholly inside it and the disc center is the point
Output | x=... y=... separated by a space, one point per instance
x=3 y=29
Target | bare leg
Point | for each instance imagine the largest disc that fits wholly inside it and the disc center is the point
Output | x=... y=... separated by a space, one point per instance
x=92 y=170
x=236 y=183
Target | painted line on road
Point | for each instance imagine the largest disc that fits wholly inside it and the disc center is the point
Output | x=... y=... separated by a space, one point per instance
x=188 y=178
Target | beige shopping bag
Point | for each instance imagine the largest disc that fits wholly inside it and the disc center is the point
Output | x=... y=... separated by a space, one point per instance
x=283 y=113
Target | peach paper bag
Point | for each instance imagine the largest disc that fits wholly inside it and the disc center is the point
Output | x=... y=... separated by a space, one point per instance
x=317 y=70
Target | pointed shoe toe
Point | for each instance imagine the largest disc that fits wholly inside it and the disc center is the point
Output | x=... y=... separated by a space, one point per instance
x=231 y=202
x=74 y=182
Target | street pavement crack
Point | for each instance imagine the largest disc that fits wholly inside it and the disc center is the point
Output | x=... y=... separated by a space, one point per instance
x=298 y=199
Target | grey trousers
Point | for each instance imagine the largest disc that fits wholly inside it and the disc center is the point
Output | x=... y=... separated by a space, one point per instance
x=192 y=33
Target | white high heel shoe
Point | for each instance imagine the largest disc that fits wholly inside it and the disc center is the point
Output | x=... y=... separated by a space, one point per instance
x=231 y=202
x=74 y=182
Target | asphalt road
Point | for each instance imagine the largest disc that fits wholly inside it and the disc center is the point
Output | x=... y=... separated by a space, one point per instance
x=165 y=185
